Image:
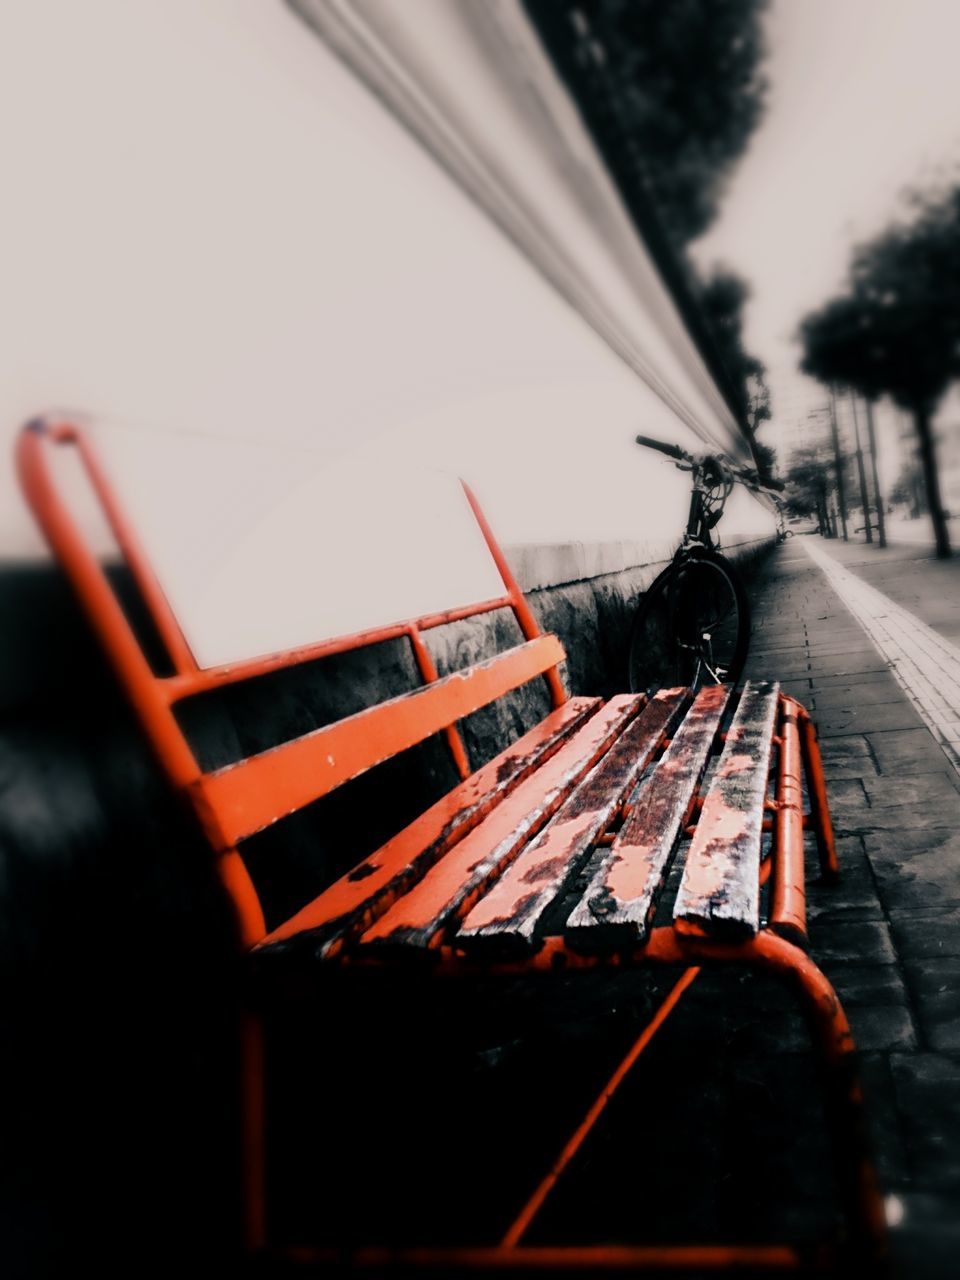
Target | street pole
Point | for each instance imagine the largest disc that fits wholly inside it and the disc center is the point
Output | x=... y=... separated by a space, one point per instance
x=872 y=443
x=838 y=463
x=864 y=496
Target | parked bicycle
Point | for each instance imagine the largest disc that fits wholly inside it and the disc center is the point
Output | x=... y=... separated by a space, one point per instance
x=693 y=625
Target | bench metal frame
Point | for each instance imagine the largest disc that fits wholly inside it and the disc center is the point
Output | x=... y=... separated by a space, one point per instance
x=239 y=800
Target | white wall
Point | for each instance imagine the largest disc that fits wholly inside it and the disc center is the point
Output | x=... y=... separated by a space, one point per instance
x=212 y=227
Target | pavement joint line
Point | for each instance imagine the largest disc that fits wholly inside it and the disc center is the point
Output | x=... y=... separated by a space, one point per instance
x=924 y=663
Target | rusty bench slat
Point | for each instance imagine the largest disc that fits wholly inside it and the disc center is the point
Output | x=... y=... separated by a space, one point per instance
x=353 y=902
x=720 y=889
x=453 y=884
x=621 y=897
x=255 y=792
x=509 y=915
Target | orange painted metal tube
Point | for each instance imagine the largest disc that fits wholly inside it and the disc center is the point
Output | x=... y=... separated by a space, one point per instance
x=533 y=1206
x=856 y=1179
x=90 y=582
x=142 y=687
x=586 y=1259
x=254 y=1133
x=430 y=674
x=135 y=557
x=788 y=915
x=817 y=787
x=528 y=624
x=208 y=678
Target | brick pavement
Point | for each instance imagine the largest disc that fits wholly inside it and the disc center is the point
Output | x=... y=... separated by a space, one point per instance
x=924 y=662
x=889 y=937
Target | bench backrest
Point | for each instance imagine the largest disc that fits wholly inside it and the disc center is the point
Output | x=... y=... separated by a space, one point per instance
x=235 y=802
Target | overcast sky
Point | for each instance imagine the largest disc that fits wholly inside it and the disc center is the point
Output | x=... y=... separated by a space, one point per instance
x=864 y=101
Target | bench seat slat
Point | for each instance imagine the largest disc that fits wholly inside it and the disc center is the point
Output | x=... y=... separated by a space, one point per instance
x=352 y=903
x=622 y=895
x=250 y=795
x=720 y=889
x=449 y=889
x=508 y=916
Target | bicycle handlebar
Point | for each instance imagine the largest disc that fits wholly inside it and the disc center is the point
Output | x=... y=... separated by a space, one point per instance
x=745 y=474
x=671 y=450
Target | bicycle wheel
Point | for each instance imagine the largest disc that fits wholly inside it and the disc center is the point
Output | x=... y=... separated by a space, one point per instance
x=692 y=628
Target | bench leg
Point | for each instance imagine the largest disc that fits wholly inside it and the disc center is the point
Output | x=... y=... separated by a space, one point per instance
x=529 y=1211
x=253 y=1132
x=856 y=1180
x=817 y=790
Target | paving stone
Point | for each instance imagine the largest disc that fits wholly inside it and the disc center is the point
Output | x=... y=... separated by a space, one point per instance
x=937 y=787
x=922 y=935
x=875 y=1029
x=845 y=665
x=778 y=652
x=928 y=1092
x=926 y=1243
x=856 y=942
x=796 y=675
x=852 y=680
x=849 y=748
x=847 y=793
x=910 y=751
x=840 y=697
x=879 y=985
x=854 y=897
x=843 y=652
x=898 y=819
x=864 y=718
x=933 y=839
x=843 y=902
x=883 y=1119
x=848 y=757
x=935 y=984
x=911 y=879
x=881 y=1029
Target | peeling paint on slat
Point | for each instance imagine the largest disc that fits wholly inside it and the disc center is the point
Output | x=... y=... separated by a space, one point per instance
x=446 y=893
x=508 y=917
x=353 y=902
x=622 y=895
x=720 y=889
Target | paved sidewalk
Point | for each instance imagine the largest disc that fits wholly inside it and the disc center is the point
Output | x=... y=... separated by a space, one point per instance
x=925 y=664
x=910 y=575
x=889 y=936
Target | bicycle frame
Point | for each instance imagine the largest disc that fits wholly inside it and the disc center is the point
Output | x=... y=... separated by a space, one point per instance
x=697 y=532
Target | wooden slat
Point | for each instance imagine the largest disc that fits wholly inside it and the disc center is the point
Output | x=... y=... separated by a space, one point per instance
x=418 y=919
x=509 y=916
x=621 y=897
x=720 y=889
x=250 y=795
x=354 y=901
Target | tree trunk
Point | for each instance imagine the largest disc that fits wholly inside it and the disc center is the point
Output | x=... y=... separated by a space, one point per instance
x=864 y=496
x=822 y=517
x=878 y=496
x=838 y=462
x=931 y=479
x=916 y=496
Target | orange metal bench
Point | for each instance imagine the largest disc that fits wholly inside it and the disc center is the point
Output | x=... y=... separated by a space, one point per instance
x=612 y=792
